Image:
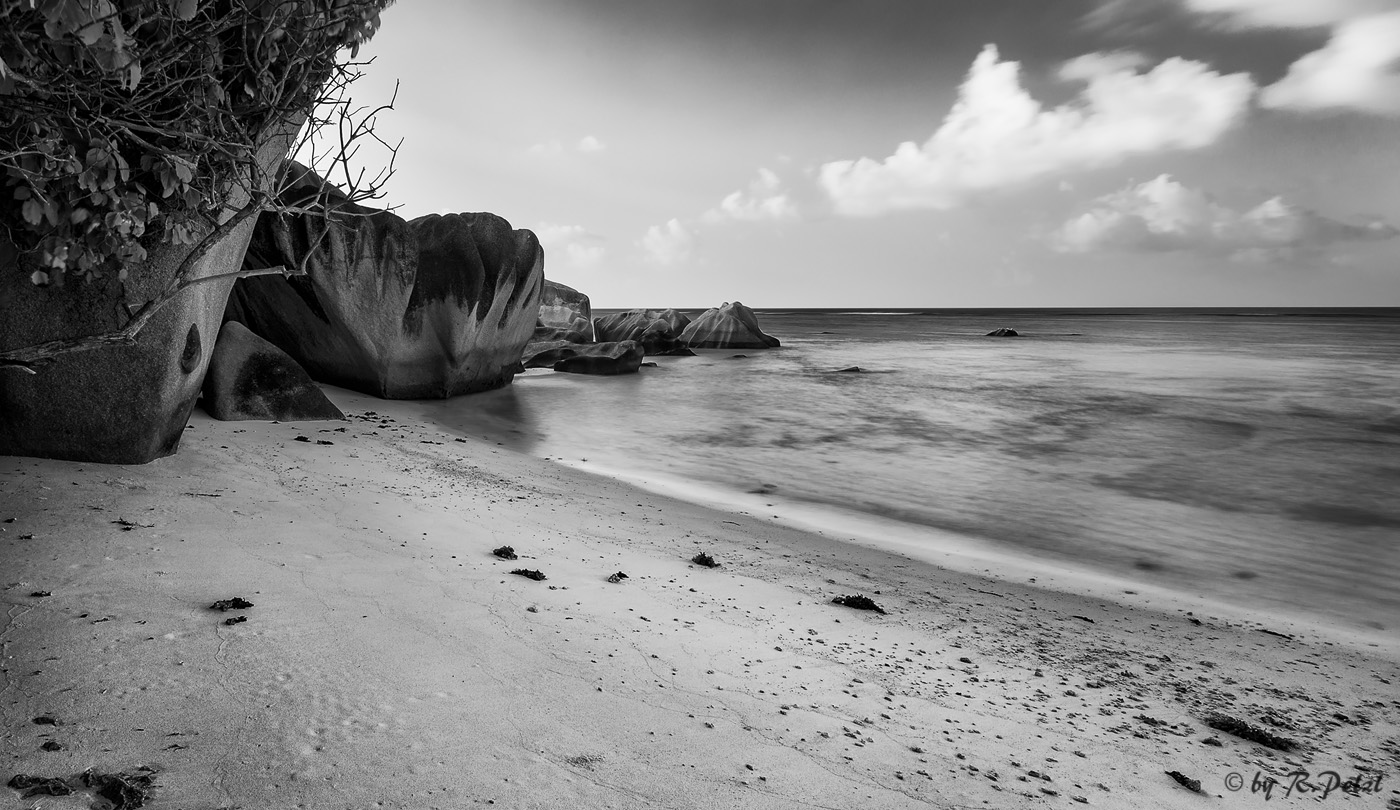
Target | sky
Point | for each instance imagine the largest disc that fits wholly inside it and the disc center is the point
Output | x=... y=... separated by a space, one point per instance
x=910 y=153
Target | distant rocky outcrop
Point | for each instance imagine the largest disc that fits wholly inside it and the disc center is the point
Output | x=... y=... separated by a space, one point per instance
x=1003 y=332
x=658 y=330
x=730 y=326
x=619 y=357
x=433 y=307
x=249 y=378
x=565 y=314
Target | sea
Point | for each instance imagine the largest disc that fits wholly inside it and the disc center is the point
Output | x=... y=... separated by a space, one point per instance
x=1247 y=455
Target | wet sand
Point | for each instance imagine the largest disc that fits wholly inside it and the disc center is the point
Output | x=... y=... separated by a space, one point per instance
x=390 y=660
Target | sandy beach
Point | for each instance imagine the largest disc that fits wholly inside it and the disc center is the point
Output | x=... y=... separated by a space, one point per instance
x=389 y=660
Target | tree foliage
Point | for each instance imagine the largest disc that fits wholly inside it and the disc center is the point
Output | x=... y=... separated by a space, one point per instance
x=126 y=124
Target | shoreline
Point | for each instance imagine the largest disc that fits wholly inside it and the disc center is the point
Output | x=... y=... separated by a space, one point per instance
x=390 y=658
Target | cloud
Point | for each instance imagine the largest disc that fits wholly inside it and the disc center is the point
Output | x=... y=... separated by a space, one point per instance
x=1356 y=69
x=997 y=135
x=586 y=145
x=762 y=200
x=668 y=244
x=1290 y=13
x=1162 y=215
x=590 y=144
x=570 y=246
x=1359 y=67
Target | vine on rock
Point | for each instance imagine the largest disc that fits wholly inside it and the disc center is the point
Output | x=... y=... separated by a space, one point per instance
x=130 y=124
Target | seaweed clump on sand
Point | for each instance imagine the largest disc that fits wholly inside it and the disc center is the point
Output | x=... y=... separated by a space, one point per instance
x=120 y=791
x=236 y=603
x=1243 y=730
x=504 y=552
x=537 y=576
x=705 y=560
x=859 y=602
x=1193 y=785
x=31 y=786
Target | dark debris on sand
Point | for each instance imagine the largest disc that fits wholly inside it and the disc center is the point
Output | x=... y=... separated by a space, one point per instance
x=119 y=791
x=537 y=576
x=1243 y=730
x=618 y=577
x=859 y=602
x=504 y=552
x=31 y=786
x=705 y=560
x=1193 y=785
x=236 y=603
x=236 y=620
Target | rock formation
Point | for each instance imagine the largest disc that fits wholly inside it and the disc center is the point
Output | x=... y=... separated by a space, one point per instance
x=1003 y=332
x=249 y=378
x=621 y=357
x=434 y=307
x=121 y=404
x=731 y=326
x=565 y=314
x=658 y=330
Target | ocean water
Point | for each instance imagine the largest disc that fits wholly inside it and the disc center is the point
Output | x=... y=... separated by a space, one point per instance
x=1246 y=455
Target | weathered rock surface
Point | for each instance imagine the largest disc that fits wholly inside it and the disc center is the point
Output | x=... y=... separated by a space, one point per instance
x=565 y=314
x=658 y=330
x=434 y=307
x=118 y=404
x=731 y=326
x=249 y=378
x=621 y=357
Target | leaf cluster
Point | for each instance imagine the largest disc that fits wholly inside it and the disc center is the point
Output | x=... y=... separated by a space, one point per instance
x=125 y=124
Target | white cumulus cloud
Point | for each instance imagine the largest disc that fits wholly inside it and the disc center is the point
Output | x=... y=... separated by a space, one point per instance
x=1164 y=215
x=590 y=144
x=1358 y=68
x=997 y=135
x=570 y=246
x=668 y=244
x=764 y=199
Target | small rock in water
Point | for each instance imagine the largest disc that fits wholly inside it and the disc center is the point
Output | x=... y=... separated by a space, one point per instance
x=850 y=370
x=1003 y=332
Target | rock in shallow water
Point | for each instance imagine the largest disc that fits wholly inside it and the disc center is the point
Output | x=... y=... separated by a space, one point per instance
x=434 y=307
x=731 y=326
x=565 y=314
x=622 y=357
x=658 y=330
x=249 y=378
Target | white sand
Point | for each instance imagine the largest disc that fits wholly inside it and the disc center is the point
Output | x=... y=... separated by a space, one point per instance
x=391 y=661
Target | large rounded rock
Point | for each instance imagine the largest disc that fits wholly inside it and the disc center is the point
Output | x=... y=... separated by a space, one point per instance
x=658 y=330
x=565 y=314
x=249 y=378
x=433 y=307
x=731 y=326
x=622 y=357
x=121 y=404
